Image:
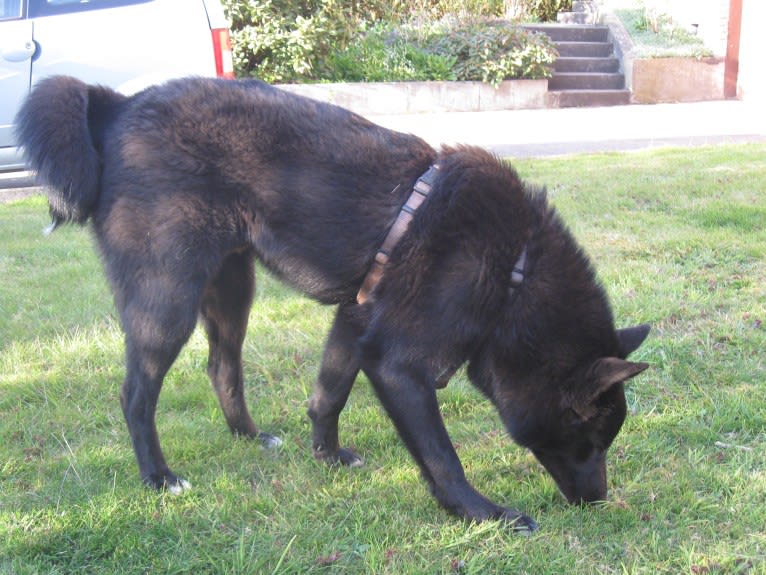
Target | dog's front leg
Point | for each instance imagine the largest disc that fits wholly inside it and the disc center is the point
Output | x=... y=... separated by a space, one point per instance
x=411 y=403
x=340 y=365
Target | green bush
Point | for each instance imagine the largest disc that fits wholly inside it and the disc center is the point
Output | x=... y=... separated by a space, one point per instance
x=318 y=40
x=477 y=49
x=546 y=10
x=283 y=40
x=438 y=9
x=382 y=55
x=495 y=50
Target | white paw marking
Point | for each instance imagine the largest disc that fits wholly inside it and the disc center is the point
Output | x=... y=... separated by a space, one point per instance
x=180 y=487
x=270 y=441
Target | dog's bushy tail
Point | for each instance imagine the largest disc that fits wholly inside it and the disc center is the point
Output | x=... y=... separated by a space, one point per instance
x=60 y=127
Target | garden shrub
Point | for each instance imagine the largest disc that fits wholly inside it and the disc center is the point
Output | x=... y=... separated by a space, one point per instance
x=333 y=40
x=384 y=55
x=438 y=9
x=546 y=10
x=283 y=40
x=453 y=49
x=495 y=50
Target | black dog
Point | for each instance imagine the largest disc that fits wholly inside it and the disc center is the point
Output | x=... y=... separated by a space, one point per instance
x=186 y=184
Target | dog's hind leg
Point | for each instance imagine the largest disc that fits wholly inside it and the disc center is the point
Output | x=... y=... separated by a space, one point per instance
x=157 y=323
x=225 y=309
x=340 y=365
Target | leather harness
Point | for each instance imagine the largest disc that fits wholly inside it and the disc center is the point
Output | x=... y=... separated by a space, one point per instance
x=420 y=192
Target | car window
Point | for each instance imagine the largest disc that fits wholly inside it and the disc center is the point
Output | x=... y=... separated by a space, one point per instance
x=51 y=7
x=10 y=9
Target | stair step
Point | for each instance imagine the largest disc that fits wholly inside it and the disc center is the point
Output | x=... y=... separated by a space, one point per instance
x=578 y=81
x=610 y=64
x=586 y=73
x=588 y=98
x=566 y=33
x=585 y=49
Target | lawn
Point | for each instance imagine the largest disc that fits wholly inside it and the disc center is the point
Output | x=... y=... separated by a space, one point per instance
x=679 y=240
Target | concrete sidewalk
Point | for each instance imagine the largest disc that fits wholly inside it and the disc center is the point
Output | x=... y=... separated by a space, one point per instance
x=558 y=131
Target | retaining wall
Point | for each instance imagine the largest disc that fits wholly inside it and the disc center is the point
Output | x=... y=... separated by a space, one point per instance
x=420 y=97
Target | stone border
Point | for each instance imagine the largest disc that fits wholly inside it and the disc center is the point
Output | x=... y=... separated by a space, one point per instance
x=421 y=97
x=659 y=80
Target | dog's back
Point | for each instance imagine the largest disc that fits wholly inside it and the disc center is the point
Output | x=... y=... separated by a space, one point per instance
x=249 y=159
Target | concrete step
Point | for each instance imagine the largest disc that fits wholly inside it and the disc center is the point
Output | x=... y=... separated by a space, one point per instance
x=565 y=33
x=591 y=81
x=603 y=65
x=588 y=98
x=585 y=49
x=586 y=73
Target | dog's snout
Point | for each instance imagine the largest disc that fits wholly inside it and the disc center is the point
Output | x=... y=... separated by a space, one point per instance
x=588 y=498
x=582 y=482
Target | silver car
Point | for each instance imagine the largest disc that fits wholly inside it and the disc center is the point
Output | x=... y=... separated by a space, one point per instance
x=125 y=44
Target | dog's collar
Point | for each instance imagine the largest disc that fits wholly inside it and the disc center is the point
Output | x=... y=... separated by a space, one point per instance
x=420 y=192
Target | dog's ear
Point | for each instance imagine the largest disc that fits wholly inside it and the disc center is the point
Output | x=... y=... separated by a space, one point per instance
x=631 y=338
x=602 y=375
x=607 y=371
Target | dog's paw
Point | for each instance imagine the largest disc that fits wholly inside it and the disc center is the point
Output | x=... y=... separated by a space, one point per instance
x=168 y=482
x=179 y=487
x=518 y=522
x=340 y=456
x=349 y=458
x=269 y=441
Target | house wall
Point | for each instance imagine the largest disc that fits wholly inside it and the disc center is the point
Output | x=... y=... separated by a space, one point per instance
x=751 y=81
x=712 y=20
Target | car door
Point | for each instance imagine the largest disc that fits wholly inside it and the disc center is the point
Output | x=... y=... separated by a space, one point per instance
x=127 y=45
x=17 y=48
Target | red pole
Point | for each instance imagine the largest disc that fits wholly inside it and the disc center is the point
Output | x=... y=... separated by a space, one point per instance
x=731 y=65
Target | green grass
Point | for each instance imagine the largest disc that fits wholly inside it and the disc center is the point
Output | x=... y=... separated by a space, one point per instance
x=679 y=239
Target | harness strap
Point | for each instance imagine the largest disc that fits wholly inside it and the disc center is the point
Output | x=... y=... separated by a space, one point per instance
x=419 y=193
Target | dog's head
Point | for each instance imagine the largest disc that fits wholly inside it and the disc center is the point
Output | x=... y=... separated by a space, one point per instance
x=567 y=417
x=573 y=447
